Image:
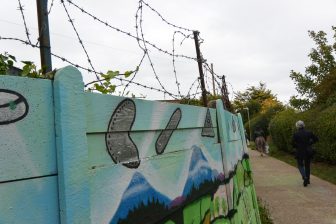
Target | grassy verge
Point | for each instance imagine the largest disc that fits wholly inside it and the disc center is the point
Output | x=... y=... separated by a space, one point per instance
x=265 y=216
x=322 y=170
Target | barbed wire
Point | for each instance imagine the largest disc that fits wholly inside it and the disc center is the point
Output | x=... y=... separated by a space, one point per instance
x=143 y=45
x=143 y=56
x=163 y=19
x=135 y=73
x=174 y=67
x=79 y=39
x=124 y=32
x=139 y=25
x=207 y=66
x=51 y=6
x=21 y=8
x=192 y=85
x=144 y=42
x=148 y=87
x=206 y=79
x=88 y=69
x=198 y=86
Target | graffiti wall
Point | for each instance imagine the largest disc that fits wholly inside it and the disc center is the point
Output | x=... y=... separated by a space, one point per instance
x=28 y=170
x=122 y=160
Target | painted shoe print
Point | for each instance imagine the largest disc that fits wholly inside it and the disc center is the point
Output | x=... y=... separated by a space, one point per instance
x=165 y=135
x=119 y=143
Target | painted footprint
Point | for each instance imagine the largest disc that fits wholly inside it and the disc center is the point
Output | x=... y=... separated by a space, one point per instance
x=13 y=106
x=119 y=143
x=165 y=135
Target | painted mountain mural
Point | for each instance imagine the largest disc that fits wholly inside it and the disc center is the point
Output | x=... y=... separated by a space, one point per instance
x=141 y=201
x=139 y=197
x=200 y=172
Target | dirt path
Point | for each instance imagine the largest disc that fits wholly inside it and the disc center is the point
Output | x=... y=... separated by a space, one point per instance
x=280 y=186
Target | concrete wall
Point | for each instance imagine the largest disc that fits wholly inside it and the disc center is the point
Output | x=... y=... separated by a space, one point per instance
x=68 y=156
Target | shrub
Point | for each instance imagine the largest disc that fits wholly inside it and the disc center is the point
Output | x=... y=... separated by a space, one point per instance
x=320 y=121
x=263 y=119
x=282 y=127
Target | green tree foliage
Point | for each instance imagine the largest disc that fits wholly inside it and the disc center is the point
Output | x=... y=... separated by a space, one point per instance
x=317 y=84
x=253 y=98
x=262 y=105
x=199 y=102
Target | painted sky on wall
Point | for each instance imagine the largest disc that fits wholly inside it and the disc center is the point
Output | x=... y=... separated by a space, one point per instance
x=247 y=41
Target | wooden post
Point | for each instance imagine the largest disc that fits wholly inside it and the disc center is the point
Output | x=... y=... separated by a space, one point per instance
x=43 y=26
x=213 y=80
x=223 y=93
x=200 y=69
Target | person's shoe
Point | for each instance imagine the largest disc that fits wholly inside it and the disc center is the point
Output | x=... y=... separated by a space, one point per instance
x=308 y=181
x=305 y=182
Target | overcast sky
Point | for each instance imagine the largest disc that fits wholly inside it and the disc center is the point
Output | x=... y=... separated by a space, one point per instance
x=247 y=41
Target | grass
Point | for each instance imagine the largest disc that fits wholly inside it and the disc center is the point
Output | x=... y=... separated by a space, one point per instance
x=322 y=170
x=265 y=216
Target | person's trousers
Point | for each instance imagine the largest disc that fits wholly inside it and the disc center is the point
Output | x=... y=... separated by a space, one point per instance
x=304 y=167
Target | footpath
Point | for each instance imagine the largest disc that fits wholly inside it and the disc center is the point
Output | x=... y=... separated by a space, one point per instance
x=279 y=185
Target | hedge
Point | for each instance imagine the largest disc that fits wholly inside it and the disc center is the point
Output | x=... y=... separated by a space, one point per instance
x=262 y=121
x=321 y=121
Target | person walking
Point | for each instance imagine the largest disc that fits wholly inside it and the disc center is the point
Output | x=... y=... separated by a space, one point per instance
x=259 y=139
x=302 y=141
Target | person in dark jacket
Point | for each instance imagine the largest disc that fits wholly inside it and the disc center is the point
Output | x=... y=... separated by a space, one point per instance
x=259 y=139
x=302 y=142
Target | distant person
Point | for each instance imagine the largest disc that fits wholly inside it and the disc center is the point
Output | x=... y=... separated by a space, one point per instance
x=302 y=142
x=259 y=139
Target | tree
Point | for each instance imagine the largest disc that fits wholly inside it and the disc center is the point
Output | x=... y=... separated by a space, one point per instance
x=316 y=84
x=262 y=105
x=253 y=98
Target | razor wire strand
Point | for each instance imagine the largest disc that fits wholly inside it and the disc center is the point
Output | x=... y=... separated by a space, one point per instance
x=146 y=50
x=79 y=39
x=124 y=32
x=21 y=8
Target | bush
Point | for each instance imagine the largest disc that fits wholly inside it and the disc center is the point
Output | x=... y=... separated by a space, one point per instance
x=320 y=121
x=282 y=127
x=325 y=128
x=263 y=119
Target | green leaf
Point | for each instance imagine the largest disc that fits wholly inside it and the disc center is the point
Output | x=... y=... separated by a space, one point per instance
x=128 y=73
x=26 y=70
x=111 y=74
x=99 y=87
x=27 y=62
x=112 y=88
x=106 y=84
